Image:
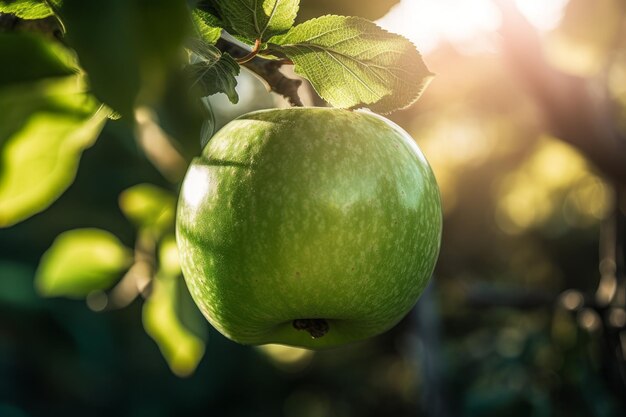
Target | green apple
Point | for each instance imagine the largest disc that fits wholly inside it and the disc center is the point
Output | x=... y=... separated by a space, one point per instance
x=308 y=227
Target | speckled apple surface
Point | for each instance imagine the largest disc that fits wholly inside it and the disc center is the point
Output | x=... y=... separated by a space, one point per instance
x=308 y=214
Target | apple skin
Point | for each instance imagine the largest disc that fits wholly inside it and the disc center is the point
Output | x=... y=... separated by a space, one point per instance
x=308 y=227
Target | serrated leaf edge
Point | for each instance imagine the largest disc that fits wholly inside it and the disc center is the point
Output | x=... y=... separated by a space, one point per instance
x=297 y=69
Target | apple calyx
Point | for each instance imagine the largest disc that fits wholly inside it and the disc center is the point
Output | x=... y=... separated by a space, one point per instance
x=316 y=327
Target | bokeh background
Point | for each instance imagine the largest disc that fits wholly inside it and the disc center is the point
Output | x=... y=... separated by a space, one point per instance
x=525 y=128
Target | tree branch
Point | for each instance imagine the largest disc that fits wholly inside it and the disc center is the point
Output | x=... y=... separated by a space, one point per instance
x=268 y=70
x=255 y=50
x=139 y=277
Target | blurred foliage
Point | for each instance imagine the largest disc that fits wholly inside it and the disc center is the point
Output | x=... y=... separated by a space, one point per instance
x=569 y=191
x=580 y=45
x=48 y=120
x=503 y=330
x=149 y=207
x=79 y=262
x=170 y=316
x=128 y=48
x=37 y=59
x=54 y=122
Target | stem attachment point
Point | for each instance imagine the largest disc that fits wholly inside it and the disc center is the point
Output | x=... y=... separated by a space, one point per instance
x=316 y=327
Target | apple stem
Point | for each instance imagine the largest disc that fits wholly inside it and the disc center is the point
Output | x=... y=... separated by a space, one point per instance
x=315 y=327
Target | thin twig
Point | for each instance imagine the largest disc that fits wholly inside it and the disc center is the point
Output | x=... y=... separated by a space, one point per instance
x=255 y=50
x=268 y=70
x=138 y=278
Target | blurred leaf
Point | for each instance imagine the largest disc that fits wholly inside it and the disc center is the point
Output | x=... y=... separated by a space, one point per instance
x=351 y=62
x=26 y=9
x=47 y=121
x=81 y=261
x=31 y=58
x=16 y=285
x=163 y=320
x=208 y=26
x=208 y=127
x=168 y=256
x=180 y=114
x=214 y=72
x=190 y=315
x=128 y=47
x=45 y=127
x=253 y=19
x=149 y=206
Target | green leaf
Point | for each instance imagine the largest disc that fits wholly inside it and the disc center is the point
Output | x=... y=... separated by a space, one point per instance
x=127 y=47
x=45 y=127
x=214 y=72
x=172 y=325
x=47 y=120
x=210 y=7
x=208 y=26
x=149 y=206
x=26 y=9
x=81 y=261
x=352 y=63
x=32 y=58
x=257 y=19
x=168 y=256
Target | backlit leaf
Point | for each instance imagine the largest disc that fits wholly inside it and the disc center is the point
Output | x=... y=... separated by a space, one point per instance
x=351 y=62
x=207 y=26
x=26 y=9
x=257 y=19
